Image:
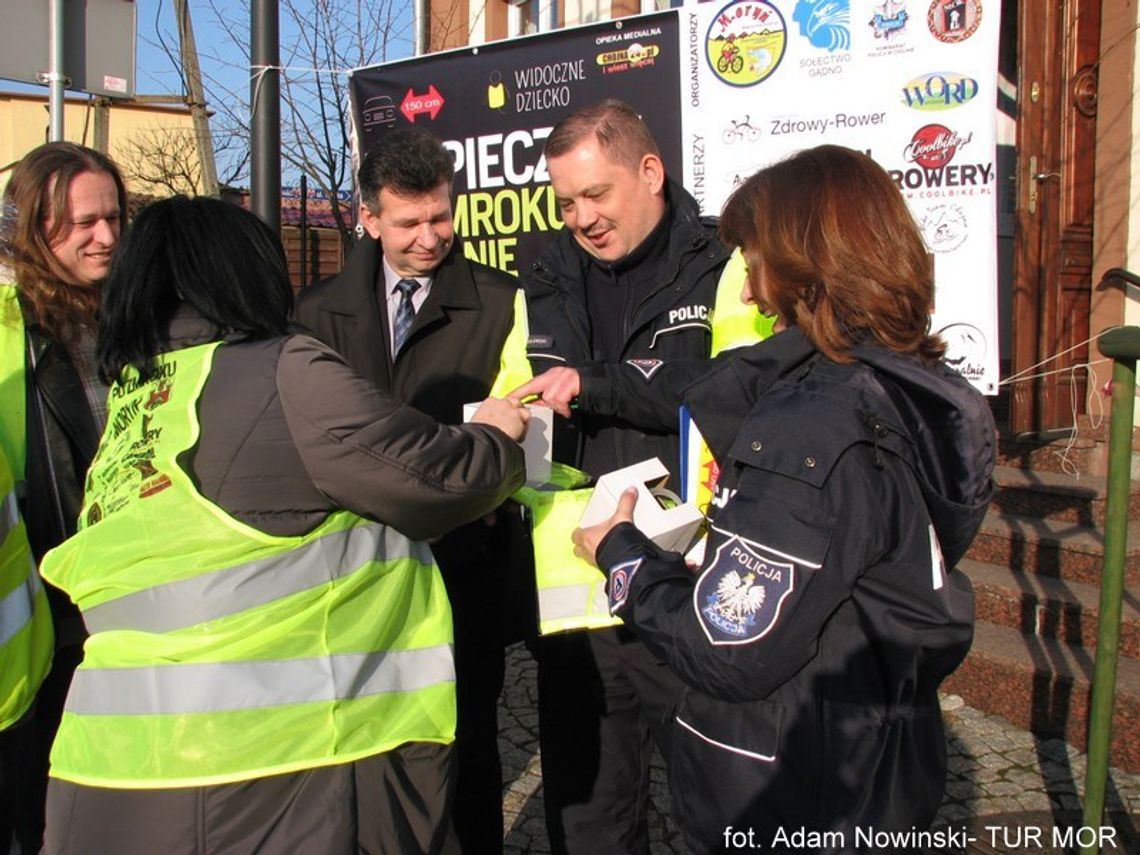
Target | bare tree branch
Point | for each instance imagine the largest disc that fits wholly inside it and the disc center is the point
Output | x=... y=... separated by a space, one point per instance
x=161 y=161
x=321 y=40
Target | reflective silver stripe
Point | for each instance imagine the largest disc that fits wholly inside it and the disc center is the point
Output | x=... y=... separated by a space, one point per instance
x=10 y=515
x=225 y=686
x=693 y=325
x=567 y=601
x=17 y=606
x=742 y=752
x=224 y=592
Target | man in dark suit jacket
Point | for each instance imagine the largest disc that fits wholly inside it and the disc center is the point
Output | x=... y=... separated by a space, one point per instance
x=411 y=313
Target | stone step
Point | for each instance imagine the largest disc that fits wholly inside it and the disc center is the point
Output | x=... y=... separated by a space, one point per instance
x=1053 y=452
x=1057 y=496
x=1043 y=685
x=1057 y=548
x=1048 y=607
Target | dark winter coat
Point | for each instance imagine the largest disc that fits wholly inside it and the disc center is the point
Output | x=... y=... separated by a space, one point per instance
x=451 y=357
x=827 y=609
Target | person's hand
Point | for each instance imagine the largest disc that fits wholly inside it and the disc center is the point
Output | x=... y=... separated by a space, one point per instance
x=507 y=414
x=556 y=388
x=586 y=540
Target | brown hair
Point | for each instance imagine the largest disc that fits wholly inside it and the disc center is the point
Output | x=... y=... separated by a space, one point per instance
x=843 y=257
x=36 y=198
x=618 y=128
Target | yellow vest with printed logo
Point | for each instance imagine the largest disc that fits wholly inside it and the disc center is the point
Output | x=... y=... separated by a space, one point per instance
x=219 y=653
x=571 y=591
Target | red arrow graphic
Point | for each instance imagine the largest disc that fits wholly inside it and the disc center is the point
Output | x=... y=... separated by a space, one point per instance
x=431 y=102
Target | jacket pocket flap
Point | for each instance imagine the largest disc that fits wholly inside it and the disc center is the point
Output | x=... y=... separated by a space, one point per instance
x=749 y=729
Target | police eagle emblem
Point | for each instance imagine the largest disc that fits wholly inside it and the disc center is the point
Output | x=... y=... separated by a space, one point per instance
x=739 y=595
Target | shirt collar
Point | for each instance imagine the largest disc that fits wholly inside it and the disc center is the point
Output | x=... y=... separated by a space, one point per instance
x=391 y=277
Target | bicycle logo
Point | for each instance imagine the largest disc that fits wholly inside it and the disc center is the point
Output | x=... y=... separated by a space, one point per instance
x=741 y=131
x=745 y=42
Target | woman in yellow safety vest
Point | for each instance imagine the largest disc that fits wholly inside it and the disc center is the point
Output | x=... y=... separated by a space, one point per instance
x=269 y=664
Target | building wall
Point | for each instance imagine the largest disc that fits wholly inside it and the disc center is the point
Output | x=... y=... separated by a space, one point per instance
x=1116 y=230
x=457 y=23
x=139 y=136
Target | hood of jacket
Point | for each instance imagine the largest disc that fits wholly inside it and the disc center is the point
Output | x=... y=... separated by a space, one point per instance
x=928 y=415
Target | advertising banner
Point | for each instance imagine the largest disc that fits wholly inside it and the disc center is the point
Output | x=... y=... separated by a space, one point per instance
x=727 y=88
x=910 y=82
x=494 y=105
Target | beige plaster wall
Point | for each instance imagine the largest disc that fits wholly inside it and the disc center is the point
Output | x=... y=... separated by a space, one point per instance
x=24 y=124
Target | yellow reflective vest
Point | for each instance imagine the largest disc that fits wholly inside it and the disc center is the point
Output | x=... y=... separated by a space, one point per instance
x=735 y=323
x=219 y=653
x=571 y=592
x=13 y=394
x=26 y=637
x=514 y=367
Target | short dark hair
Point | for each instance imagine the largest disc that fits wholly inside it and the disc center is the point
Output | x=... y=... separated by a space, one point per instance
x=408 y=162
x=843 y=256
x=618 y=128
x=212 y=255
x=37 y=193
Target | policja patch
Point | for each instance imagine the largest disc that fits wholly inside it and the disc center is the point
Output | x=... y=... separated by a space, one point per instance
x=739 y=595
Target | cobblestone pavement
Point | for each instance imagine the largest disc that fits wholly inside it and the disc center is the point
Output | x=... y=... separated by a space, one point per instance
x=999 y=776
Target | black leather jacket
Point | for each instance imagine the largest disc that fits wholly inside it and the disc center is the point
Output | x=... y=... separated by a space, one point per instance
x=62 y=438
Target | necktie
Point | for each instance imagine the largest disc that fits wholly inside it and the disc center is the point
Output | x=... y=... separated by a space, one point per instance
x=405 y=314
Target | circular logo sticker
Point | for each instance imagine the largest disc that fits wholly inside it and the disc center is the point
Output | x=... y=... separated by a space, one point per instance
x=745 y=42
x=944 y=228
x=954 y=20
x=934 y=146
x=966 y=349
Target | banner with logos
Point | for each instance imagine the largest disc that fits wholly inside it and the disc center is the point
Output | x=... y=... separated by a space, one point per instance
x=727 y=88
x=495 y=104
x=910 y=82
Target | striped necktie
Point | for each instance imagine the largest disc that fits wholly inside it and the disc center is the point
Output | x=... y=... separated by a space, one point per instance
x=405 y=314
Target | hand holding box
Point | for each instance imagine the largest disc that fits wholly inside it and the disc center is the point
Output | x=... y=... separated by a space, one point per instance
x=670 y=528
x=537 y=443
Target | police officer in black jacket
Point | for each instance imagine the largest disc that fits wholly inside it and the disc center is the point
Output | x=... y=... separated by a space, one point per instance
x=632 y=276
x=855 y=469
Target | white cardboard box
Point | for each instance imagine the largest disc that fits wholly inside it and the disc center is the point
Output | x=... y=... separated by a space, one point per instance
x=670 y=528
x=537 y=443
